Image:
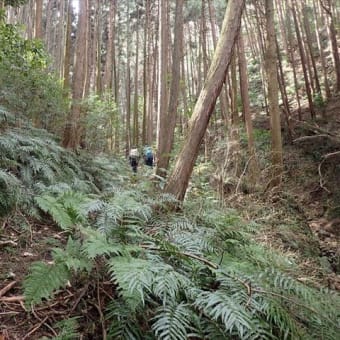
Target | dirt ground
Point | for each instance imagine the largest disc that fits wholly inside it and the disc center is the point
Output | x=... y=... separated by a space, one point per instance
x=19 y=247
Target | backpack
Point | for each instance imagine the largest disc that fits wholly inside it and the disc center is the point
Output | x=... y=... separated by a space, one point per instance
x=134 y=153
x=148 y=153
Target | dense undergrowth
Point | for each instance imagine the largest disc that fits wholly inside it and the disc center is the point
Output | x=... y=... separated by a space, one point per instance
x=195 y=273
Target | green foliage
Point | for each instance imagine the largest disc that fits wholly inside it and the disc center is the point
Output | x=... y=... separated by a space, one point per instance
x=319 y=101
x=67 y=329
x=101 y=121
x=123 y=322
x=172 y=322
x=15 y=3
x=9 y=192
x=26 y=85
x=67 y=209
x=43 y=280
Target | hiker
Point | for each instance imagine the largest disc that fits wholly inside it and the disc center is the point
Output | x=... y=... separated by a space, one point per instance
x=148 y=156
x=134 y=158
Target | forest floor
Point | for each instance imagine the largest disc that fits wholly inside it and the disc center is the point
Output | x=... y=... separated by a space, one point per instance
x=304 y=219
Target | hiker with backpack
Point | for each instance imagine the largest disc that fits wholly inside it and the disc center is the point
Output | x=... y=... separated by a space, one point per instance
x=148 y=156
x=134 y=158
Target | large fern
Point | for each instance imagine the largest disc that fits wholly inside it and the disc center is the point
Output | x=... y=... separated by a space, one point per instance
x=172 y=322
x=43 y=280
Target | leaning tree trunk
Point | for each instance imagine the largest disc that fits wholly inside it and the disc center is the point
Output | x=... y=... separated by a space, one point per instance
x=178 y=181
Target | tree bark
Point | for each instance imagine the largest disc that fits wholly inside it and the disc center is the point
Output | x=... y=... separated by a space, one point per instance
x=273 y=96
x=74 y=128
x=67 y=55
x=38 y=33
x=162 y=88
x=303 y=61
x=179 y=179
x=175 y=82
x=326 y=5
x=244 y=89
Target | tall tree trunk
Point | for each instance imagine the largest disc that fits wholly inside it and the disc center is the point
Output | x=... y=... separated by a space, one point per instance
x=38 y=33
x=135 y=104
x=291 y=59
x=178 y=181
x=326 y=5
x=108 y=68
x=235 y=119
x=212 y=16
x=273 y=96
x=175 y=84
x=74 y=128
x=67 y=57
x=253 y=168
x=162 y=88
x=303 y=61
x=309 y=41
x=146 y=71
x=98 y=47
x=322 y=53
x=284 y=97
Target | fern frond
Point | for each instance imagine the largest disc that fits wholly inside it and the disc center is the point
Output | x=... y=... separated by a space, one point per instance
x=6 y=117
x=97 y=244
x=43 y=280
x=220 y=307
x=286 y=284
x=194 y=243
x=108 y=218
x=9 y=191
x=51 y=205
x=72 y=256
x=168 y=284
x=172 y=322
x=210 y=329
x=281 y=320
x=133 y=276
x=123 y=322
x=67 y=329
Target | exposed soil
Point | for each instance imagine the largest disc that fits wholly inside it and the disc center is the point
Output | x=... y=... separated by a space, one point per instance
x=317 y=187
x=312 y=185
x=19 y=247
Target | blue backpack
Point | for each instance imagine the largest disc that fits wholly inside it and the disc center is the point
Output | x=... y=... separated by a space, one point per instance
x=148 y=153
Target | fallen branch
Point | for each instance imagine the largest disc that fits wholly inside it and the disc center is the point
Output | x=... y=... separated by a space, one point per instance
x=8 y=242
x=321 y=180
x=12 y=298
x=27 y=336
x=304 y=138
x=329 y=155
x=319 y=132
x=243 y=173
x=4 y=290
x=82 y=293
x=325 y=157
x=9 y=313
